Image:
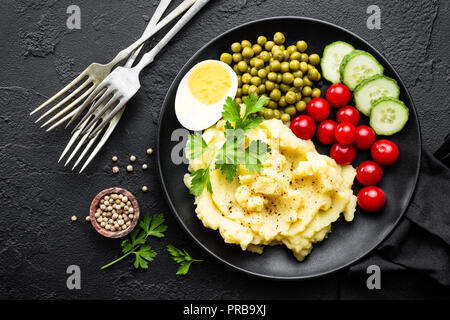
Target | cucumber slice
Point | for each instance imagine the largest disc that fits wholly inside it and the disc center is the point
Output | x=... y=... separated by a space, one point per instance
x=388 y=116
x=373 y=88
x=332 y=58
x=357 y=66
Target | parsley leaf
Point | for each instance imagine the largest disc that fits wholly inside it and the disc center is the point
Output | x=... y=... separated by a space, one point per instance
x=198 y=145
x=148 y=226
x=181 y=257
x=253 y=104
x=199 y=181
x=231 y=110
x=255 y=154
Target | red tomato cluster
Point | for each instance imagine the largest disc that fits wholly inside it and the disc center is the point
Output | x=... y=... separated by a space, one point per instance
x=346 y=136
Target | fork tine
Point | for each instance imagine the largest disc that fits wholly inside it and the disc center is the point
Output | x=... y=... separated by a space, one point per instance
x=105 y=121
x=69 y=107
x=113 y=99
x=64 y=119
x=62 y=91
x=86 y=149
x=69 y=97
x=112 y=124
x=74 y=137
x=86 y=102
x=78 y=146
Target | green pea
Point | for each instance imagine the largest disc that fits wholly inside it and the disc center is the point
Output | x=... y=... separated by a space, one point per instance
x=276 y=114
x=262 y=89
x=275 y=95
x=261 y=40
x=272 y=104
x=268 y=114
x=306 y=91
x=313 y=74
x=298 y=74
x=302 y=46
x=246 y=78
x=310 y=67
x=304 y=57
x=236 y=47
x=303 y=67
x=316 y=93
x=291 y=49
x=286 y=55
x=226 y=57
x=307 y=81
x=275 y=66
x=255 y=81
x=257 y=48
x=279 y=38
x=239 y=81
x=239 y=92
x=279 y=77
x=245 y=44
x=291 y=110
x=245 y=90
x=300 y=106
x=314 y=59
x=259 y=63
x=296 y=56
x=291 y=97
x=288 y=78
x=236 y=69
x=262 y=73
x=254 y=71
x=294 y=65
x=299 y=96
x=269 y=85
x=237 y=57
x=247 y=52
x=272 y=76
x=282 y=102
x=298 y=82
x=285 y=117
x=277 y=54
x=253 y=89
x=284 y=66
x=264 y=56
x=282 y=47
x=306 y=99
x=269 y=45
x=284 y=87
x=242 y=66
x=238 y=100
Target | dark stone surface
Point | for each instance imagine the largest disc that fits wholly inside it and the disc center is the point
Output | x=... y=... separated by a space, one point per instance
x=38 y=241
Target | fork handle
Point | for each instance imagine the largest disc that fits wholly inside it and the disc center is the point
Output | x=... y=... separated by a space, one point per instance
x=169 y=18
x=150 y=56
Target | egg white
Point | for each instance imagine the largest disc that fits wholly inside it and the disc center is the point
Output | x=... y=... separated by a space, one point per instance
x=194 y=114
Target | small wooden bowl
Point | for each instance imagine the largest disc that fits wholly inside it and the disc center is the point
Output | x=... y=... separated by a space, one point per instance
x=95 y=204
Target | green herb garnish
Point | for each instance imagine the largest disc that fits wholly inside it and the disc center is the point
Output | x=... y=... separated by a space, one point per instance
x=181 y=257
x=149 y=226
x=233 y=151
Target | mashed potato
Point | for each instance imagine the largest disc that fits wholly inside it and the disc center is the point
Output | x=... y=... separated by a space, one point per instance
x=293 y=201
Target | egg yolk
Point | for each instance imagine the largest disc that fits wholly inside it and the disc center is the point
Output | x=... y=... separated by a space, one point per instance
x=209 y=82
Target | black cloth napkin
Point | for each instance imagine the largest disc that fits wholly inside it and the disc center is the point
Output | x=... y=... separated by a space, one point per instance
x=421 y=241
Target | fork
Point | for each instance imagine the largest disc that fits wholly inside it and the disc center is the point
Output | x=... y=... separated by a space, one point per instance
x=96 y=73
x=123 y=83
x=83 y=139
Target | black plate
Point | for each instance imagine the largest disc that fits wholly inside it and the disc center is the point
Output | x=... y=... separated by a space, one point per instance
x=348 y=242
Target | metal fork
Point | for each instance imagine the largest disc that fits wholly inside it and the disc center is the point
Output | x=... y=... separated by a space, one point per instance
x=83 y=139
x=96 y=73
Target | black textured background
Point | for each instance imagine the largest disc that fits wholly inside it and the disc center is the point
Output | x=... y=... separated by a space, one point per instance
x=37 y=196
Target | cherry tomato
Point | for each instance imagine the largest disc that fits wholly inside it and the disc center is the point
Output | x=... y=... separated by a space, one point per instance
x=371 y=199
x=348 y=114
x=365 y=137
x=325 y=131
x=303 y=127
x=369 y=173
x=384 y=152
x=338 y=95
x=343 y=154
x=345 y=133
x=318 y=109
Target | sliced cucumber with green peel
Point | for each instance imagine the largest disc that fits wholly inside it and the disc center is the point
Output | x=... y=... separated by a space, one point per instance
x=388 y=116
x=373 y=88
x=357 y=66
x=332 y=58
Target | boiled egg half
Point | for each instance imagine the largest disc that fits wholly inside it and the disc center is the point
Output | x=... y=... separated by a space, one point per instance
x=202 y=93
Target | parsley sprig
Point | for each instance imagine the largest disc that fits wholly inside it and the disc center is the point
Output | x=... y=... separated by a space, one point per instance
x=233 y=152
x=149 y=226
x=181 y=257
